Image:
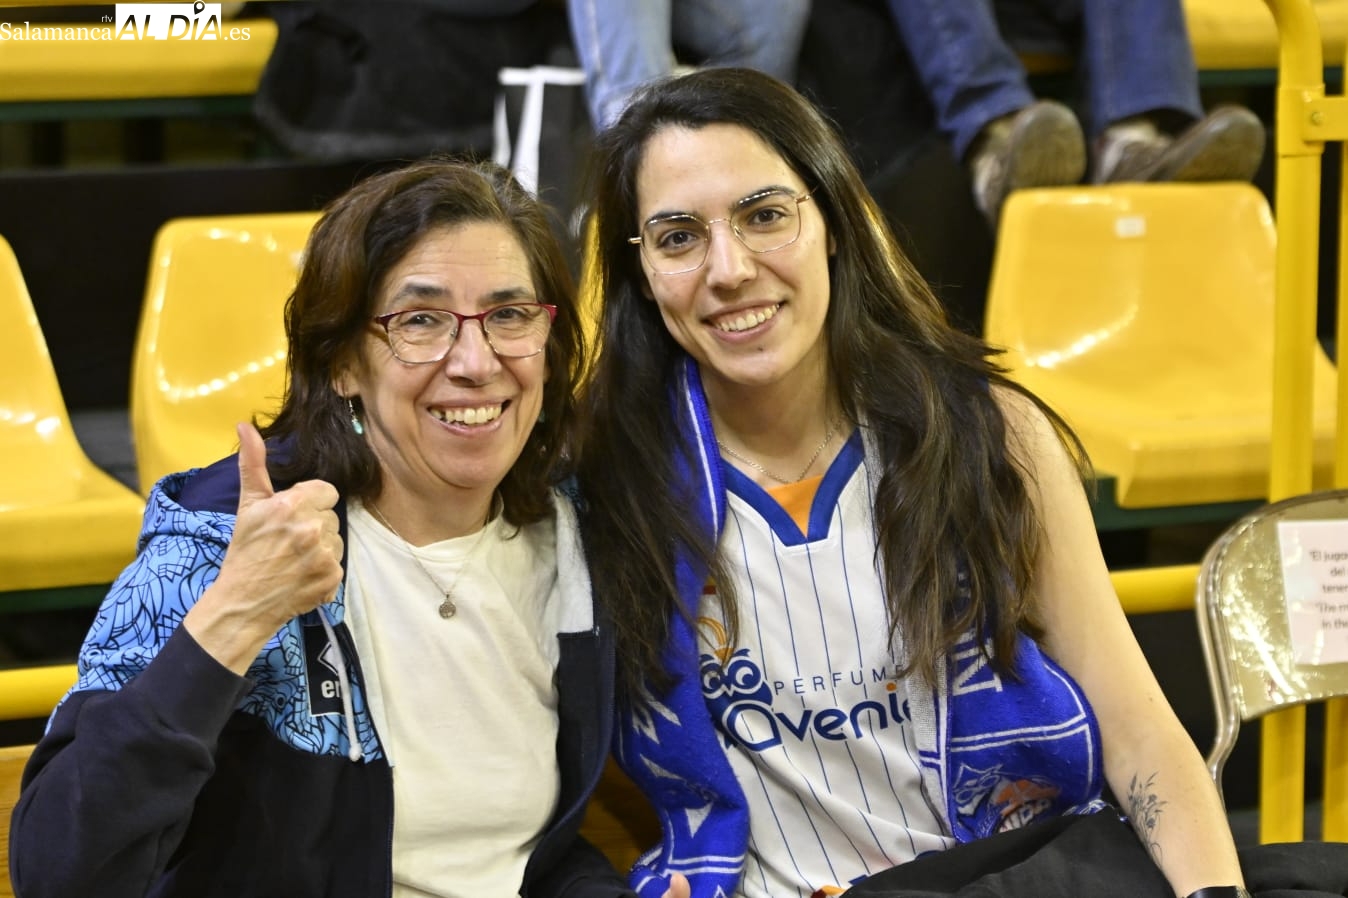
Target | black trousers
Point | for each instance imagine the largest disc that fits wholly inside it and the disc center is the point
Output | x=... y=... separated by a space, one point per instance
x=1097 y=855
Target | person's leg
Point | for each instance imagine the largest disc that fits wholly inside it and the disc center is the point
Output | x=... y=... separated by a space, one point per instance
x=1047 y=28
x=621 y=46
x=756 y=34
x=1145 y=111
x=1006 y=138
x=970 y=74
x=1136 y=59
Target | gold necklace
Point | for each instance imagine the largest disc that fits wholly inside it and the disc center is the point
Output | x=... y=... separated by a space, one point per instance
x=447 y=608
x=828 y=438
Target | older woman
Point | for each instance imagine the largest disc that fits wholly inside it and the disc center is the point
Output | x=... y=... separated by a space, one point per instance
x=360 y=658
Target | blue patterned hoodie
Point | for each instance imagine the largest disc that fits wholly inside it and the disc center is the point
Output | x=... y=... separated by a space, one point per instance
x=164 y=774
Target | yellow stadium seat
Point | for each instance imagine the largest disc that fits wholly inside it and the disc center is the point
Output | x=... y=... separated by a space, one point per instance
x=25 y=692
x=1241 y=34
x=211 y=350
x=1231 y=36
x=12 y=761
x=84 y=61
x=1259 y=662
x=63 y=521
x=1144 y=314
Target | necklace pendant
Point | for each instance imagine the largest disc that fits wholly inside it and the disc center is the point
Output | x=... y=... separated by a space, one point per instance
x=447 y=608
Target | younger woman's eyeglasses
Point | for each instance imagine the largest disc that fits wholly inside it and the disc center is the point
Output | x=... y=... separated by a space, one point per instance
x=764 y=222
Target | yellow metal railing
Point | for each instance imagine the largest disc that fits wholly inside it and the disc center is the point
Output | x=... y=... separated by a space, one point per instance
x=1305 y=119
x=29 y=692
x=1153 y=589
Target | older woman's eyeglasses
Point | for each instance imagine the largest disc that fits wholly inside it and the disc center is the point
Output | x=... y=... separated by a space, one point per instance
x=764 y=222
x=423 y=336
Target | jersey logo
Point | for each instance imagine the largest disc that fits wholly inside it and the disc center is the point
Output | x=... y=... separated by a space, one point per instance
x=323 y=684
x=740 y=699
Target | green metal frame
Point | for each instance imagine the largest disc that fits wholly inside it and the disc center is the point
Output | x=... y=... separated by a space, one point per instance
x=145 y=107
x=57 y=598
x=1109 y=516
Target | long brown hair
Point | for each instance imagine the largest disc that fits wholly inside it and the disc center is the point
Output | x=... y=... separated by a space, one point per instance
x=360 y=237
x=953 y=515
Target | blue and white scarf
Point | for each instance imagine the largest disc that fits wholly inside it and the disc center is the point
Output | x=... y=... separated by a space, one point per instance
x=996 y=752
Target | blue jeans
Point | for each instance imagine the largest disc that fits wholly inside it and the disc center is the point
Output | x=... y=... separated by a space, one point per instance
x=622 y=44
x=1133 y=56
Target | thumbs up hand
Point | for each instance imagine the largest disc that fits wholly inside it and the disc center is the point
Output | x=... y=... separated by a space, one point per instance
x=284 y=559
x=285 y=544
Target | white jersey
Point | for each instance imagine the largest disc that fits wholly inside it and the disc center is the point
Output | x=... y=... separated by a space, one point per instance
x=819 y=734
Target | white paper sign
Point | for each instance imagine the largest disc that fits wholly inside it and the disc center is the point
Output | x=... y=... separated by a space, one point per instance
x=1315 y=584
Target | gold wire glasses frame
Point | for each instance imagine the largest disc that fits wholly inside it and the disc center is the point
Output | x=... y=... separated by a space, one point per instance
x=763 y=223
x=425 y=336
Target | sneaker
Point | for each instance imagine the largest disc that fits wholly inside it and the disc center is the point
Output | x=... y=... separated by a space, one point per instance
x=1129 y=151
x=1225 y=145
x=1041 y=145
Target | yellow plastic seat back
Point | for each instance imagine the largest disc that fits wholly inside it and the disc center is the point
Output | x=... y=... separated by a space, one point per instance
x=1241 y=34
x=25 y=692
x=13 y=759
x=1265 y=653
x=63 y=521
x=211 y=348
x=1144 y=314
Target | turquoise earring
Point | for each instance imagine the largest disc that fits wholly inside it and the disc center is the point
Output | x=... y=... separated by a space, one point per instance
x=358 y=427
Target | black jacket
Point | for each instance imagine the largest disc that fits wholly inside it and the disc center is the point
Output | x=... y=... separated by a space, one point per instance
x=163 y=773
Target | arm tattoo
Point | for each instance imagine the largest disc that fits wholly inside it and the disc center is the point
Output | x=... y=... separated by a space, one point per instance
x=1145 y=810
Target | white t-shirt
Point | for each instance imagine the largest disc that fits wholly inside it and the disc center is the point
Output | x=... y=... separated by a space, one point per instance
x=822 y=743
x=465 y=707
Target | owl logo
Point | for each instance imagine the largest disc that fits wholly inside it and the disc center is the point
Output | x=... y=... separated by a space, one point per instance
x=738 y=697
x=729 y=676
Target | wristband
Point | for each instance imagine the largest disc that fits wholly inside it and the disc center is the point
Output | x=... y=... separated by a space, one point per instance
x=1221 y=892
